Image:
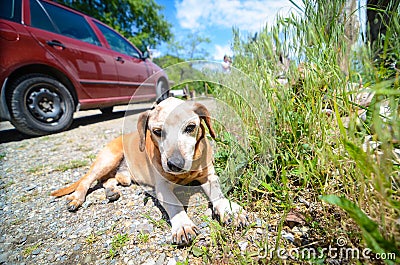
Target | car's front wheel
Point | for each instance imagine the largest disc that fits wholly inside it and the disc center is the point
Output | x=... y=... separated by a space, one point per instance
x=40 y=105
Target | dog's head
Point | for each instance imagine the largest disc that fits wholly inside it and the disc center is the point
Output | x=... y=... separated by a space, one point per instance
x=176 y=129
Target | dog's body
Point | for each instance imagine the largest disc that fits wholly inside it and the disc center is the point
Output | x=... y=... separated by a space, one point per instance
x=168 y=149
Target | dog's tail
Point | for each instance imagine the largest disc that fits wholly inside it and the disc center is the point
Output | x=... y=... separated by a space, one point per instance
x=67 y=190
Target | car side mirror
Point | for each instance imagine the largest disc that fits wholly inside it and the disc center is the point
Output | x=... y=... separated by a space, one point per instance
x=145 y=55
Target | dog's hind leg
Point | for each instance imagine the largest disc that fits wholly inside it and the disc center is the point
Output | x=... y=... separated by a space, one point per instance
x=106 y=162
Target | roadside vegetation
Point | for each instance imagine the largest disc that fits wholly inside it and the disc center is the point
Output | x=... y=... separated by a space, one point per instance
x=312 y=153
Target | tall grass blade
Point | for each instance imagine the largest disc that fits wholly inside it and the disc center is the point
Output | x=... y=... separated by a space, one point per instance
x=370 y=229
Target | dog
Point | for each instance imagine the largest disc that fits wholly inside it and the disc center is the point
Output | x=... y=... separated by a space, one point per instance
x=169 y=148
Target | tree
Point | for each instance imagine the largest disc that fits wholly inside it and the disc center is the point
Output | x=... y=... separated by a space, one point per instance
x=190 y=48
x=138 y=20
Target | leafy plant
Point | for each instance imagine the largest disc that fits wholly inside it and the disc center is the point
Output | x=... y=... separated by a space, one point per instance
x=117 y=243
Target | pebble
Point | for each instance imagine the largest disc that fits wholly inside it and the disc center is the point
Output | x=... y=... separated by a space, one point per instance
x=3 y=258
x=288 y=236
x=161 y=259
x=73 y=236
x=150 y=262
x=243 y=245
x=171 y=261
x=88 y=259
x=36 y=251
x=31 y=187
x=77 y=247
x=259 y=231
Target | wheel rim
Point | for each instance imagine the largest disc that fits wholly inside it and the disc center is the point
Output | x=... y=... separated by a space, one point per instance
x=44 y=104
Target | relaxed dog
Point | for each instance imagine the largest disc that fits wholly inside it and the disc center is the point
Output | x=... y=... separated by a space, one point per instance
x=170 y=148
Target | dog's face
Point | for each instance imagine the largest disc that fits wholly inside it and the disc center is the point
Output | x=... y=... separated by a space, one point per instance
x=175 y=128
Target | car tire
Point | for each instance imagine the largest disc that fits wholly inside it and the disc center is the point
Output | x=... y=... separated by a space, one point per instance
x=40 y=105
x=162 y=90
x=107 y=111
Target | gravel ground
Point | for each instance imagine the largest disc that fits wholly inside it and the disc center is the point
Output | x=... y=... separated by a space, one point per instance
x=37 y=229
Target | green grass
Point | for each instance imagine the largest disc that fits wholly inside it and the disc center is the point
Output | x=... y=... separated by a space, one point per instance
x=143 y=238
x=72 y=165
x=117 y=243
x=28 y=250
x=36 y=169
x=92 y=238
x=161 y=223
x=296 y=151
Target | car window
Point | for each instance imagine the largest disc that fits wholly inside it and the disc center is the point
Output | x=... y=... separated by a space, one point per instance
x=53 y=18
x=117 y=43
x=40 y=19
x=10 y=10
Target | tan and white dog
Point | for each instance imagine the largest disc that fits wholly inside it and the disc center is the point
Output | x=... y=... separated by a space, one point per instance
x=170 y=148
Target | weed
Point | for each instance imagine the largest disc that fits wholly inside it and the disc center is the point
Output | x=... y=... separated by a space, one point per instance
x=91 y=157
x=7 y=185
x=28 y=251
x=36 y=170
x=90 y=239
x=17 y=222
x=2 y=155
x=71 y=165
x=28 y=197
x=117 y=243
x=143 y=237
x=161 y=223
x=83 y=148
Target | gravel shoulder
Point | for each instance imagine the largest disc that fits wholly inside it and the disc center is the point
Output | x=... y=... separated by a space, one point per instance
x=37 y=229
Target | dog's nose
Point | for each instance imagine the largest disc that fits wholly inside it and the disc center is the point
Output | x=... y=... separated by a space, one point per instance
x=176 y=164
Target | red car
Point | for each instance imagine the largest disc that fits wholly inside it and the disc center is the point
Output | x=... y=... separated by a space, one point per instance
x=55 y=60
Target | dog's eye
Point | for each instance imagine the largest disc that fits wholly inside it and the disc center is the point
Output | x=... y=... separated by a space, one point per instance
x=157 y=132
x=190 y=128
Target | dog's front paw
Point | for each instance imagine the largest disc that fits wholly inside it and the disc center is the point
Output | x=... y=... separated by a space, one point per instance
x=184 y=235
x=230 y=212
x=183 y=230
x=74 y=201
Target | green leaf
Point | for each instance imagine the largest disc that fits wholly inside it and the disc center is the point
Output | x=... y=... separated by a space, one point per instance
x=362 y=159
x=370 y=229
x=197 y=252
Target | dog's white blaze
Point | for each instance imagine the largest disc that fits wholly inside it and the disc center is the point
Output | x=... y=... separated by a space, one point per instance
x=187 y=145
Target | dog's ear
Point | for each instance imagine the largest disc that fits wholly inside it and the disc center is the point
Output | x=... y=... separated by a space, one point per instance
x=203 y=113
x=142 y=129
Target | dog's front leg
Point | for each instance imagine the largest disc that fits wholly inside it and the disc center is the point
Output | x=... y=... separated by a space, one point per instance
x=183 y=229
x=223 y=208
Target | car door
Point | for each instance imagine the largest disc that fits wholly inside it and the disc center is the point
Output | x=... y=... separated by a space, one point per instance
x=70 y=39
x=133 y=70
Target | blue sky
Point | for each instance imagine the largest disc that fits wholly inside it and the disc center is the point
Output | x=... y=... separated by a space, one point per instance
x=215 y=18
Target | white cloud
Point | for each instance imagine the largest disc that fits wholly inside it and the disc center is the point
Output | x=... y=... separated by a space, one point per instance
x=220 y=51
x=249 y=15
